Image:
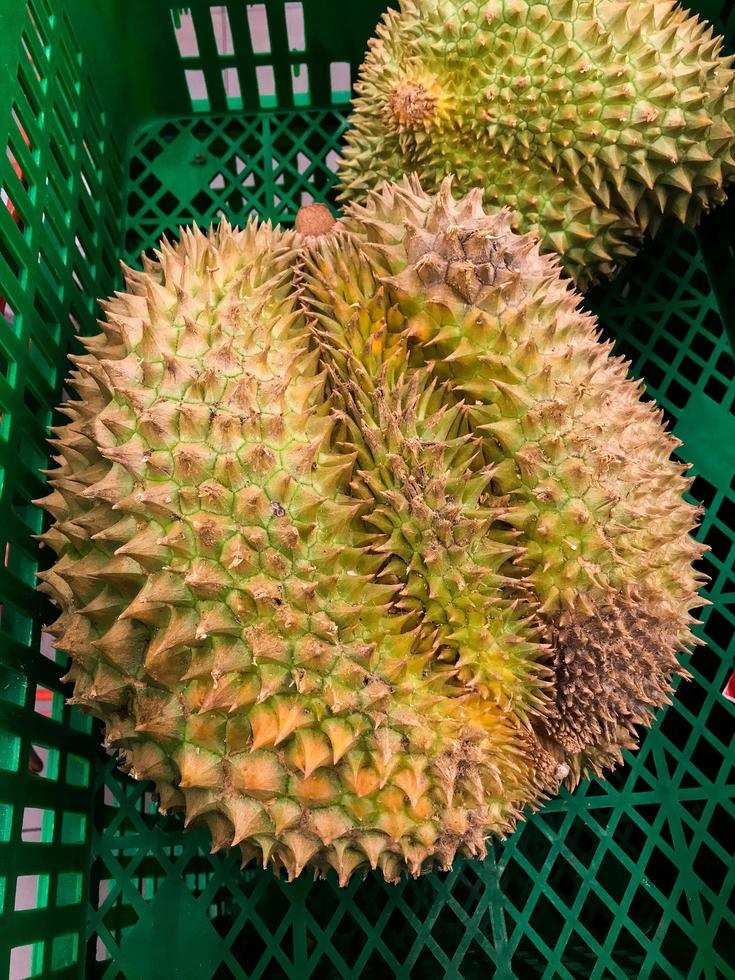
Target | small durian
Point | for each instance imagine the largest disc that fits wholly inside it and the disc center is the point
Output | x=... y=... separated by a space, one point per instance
x=594 y=120
x=365 y=544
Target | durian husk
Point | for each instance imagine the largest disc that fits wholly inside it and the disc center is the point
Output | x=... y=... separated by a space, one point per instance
x=345 y=524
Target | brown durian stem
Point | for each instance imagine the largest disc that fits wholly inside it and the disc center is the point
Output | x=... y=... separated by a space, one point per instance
x=314 y=220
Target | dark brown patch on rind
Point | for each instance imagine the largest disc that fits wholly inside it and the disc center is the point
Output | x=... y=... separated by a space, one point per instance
x=612 y=669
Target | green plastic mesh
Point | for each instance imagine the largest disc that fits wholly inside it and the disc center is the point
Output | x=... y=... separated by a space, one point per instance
x=62 y=181
x=632 y=877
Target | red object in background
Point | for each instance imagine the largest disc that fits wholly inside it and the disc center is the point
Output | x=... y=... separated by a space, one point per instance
x=729 y=691
x=11 y=207
x=9 y=204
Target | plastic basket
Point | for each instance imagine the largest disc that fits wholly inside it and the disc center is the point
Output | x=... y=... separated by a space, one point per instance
x=114 y=137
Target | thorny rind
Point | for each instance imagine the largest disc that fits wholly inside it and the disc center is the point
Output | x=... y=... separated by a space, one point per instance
x=365 y=542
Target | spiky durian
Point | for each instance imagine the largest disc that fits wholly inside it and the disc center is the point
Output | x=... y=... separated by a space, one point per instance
x=346 y=524
x=580 y=464
x=593 y=119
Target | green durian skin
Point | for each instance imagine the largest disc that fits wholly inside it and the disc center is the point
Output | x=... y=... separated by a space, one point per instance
x=581 y=462
x=365 y=543
x=594 y=120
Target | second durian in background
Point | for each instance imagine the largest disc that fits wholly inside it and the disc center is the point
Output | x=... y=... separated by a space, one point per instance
x=595 y=120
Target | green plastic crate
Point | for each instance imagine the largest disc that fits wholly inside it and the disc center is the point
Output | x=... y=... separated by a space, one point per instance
x=113 y=138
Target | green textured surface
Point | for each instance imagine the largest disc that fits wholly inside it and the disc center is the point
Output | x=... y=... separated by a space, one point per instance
x=632 y=877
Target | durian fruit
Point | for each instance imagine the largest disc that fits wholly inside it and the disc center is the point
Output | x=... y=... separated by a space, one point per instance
x=594 y=120
x=580 y=464
x=345 y=524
